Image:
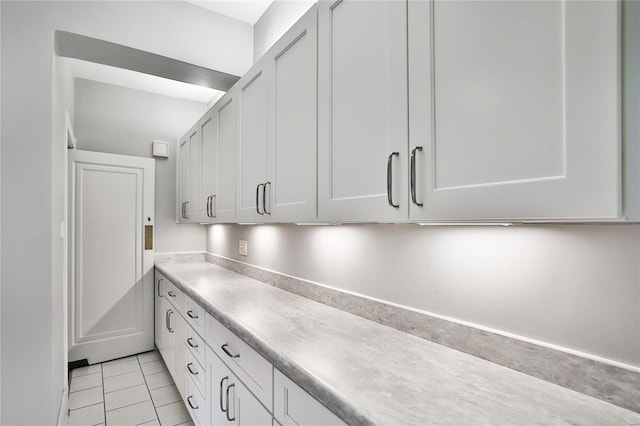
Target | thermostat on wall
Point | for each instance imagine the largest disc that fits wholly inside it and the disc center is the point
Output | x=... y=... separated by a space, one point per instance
x=160 y=149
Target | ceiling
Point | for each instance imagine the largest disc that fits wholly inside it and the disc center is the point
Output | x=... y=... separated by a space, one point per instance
x=248 y=11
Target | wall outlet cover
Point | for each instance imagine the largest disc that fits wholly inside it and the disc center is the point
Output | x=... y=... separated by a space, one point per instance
x=242 y=247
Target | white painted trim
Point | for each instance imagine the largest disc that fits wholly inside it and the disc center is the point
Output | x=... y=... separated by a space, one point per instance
x=63 y=414
x=586 y=355
x=70 y=136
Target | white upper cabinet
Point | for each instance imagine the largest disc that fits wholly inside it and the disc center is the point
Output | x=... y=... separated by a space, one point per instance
x=276 y=152
x=292 y=142
x=195 y=158
x=223 y=206
x=514 y=110
x=362 y=111
x=208 y=127
x=184 y=159
x=251 y=173
x=218 y=161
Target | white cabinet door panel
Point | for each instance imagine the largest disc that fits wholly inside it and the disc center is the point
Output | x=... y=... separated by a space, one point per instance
x=362 y=115
x=184 y=174
x=293 y=118
x=194 y=175
x=208 y=126
x=516 y=108
x=252 y=141
x=224 y=205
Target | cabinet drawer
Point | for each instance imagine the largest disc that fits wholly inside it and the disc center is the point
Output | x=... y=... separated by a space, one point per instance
x=196 y=404
x=293 y=406
x=195 y=315
x=175 y=296
x=250 y=367
x=196 y=345
x=195 y=372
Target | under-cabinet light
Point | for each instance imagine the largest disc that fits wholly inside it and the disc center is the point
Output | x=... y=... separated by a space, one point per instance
x=464 y=224
x=317 y=224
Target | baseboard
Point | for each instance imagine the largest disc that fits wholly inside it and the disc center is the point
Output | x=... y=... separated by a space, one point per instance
x=63 y=414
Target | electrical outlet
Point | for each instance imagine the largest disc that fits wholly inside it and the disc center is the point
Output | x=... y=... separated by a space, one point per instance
x=242 y=247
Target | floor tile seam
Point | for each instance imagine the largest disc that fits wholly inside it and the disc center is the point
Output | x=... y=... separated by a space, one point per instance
x=168 y=403
x=120 y=374
x=127 y=405
x=80 y=390
x=71 y=410
x=119 y=360
x=162 y=387
x=125 y=387
x=104 y=399
x=157 y=372
x=149 y=391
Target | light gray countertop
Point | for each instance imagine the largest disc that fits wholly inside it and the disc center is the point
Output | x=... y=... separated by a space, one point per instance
x=367 y=373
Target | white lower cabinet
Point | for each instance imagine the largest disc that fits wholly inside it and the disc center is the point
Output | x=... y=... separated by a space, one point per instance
x=292 y=406
x=222 y=380
x=230 y=401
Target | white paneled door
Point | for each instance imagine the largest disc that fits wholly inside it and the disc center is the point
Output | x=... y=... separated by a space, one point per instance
x=111 y=281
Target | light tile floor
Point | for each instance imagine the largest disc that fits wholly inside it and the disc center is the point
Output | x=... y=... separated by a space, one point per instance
x=131 y=391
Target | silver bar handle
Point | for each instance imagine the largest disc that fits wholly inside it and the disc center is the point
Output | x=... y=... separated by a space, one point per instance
x=228 y=352
x=258 y=198
x=191 y=315
x=209 y=206
x=224 y=410
x=213 y=209
x=159 y=281
x=190 y=342
x=182 y=210
x=191 y=404
x=186 y=209
x=413 y=176
x=168 y=320
x=193 y=373
x=231 y=419
x=390 y=179
x=264 y=197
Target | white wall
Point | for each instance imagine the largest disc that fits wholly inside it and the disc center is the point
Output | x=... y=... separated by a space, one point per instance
x=275 y=21
x=124 y=121
x=31 y=385
x=575 y=286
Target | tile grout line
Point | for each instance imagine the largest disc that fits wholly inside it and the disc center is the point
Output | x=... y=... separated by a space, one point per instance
x=149 y=391
x=104 y=398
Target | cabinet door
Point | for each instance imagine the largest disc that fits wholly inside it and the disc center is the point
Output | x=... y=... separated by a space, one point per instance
x=217 y=381
x=362 y=110
x=170 y=315
x=246 y=409
x=159 y=312
x=252 y=144
x=208 y=129
x=224 y=204
x=193 y=207
x=515 y=106
x=180 y=351
x=184 y=155
x=292 y=123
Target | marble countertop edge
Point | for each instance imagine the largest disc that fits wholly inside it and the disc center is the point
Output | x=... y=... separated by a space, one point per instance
x=310 y=383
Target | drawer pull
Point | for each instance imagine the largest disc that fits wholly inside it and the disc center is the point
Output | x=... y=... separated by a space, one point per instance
x=231 y=419
x=190 y=342
x=159 y=281
x=169 y=314
x=228 y=352
x=170 y=293
x=224 y=410
x=190 y=313
x=195 y=407
x=194 y=373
